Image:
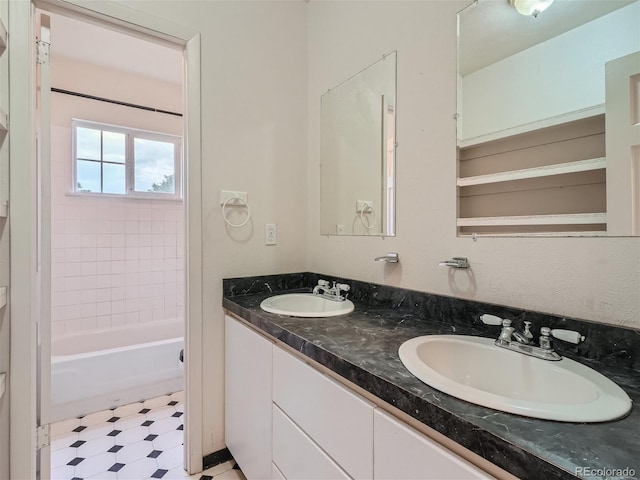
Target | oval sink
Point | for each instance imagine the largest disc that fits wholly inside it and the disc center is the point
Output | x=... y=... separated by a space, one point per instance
x=306 y=305
x=476 y=370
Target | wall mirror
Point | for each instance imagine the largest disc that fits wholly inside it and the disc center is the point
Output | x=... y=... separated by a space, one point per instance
x=357 y=158
x=548 y=119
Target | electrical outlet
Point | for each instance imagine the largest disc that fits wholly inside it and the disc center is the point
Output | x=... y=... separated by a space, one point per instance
x=270 y=234
x=340 y=229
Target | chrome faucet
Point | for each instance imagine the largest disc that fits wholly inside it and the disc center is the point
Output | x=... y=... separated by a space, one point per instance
x=522 y=342
x=331 y=293
x=390 y=257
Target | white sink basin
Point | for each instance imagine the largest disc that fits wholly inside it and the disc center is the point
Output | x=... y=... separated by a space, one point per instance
x=305 y=305
x=476 y=370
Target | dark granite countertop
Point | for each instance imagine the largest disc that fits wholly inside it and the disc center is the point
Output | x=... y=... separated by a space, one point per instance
x=363 y=347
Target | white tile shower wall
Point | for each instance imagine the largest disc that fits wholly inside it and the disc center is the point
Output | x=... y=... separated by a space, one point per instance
x=115 y=261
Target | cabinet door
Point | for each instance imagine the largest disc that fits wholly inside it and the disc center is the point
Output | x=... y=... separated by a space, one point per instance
x=337 y=419
x=248 y=399
x=402 y=453
x=296 y=456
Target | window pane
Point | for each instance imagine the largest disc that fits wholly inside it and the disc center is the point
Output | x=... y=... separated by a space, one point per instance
x=88 y=143
x=113 y=181
x=154 y=166
x=88 y=176
x=113 y=147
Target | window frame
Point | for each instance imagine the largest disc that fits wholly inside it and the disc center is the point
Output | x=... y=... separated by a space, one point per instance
x=131 y=134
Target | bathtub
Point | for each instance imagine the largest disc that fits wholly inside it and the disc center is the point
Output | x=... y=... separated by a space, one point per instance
x=98 y=370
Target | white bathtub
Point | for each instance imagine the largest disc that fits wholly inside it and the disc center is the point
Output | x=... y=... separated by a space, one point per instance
x=104 y=369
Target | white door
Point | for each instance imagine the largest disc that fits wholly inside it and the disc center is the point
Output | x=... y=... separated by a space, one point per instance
x=43 y=275
x=623 y=145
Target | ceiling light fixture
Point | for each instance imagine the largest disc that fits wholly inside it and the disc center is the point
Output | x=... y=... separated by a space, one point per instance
x=530 y=7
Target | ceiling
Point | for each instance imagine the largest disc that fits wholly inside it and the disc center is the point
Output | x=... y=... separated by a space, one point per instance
x=492 y=29
x=95 y=44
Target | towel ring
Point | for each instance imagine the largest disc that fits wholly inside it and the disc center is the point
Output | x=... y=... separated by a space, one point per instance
x=366 y=224
x=224 y=214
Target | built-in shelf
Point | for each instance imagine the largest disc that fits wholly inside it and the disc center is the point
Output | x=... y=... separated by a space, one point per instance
x=564 y=219
x=3 y=37
x=537 y=125
x=537 y=172
x=4 y=209
x=3 y=297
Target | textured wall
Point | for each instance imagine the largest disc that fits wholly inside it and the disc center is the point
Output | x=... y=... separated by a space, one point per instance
x=592 y=278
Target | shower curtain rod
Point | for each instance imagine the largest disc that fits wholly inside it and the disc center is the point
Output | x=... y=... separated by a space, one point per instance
x=116 y=102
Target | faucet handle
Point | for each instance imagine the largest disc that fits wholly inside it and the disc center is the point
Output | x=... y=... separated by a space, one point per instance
x=343 y=286
x=567 y=335
x=489 y=319
x=323 y=283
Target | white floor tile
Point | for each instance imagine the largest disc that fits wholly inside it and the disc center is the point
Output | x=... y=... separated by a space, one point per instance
x=231 y=475
x=134 y=451
x=180 y=473
x=65 y=472
x=131 y=421
x=100 y=451
x=63 y=441
x=95 y=464
x=171 y=458
x=132 y=435
x=63 y=456
x=95 y=431
x=95 y=418
x=178 y=396
x=139 y=469
x=161 y=412
x=95 y=447
x=64 y=426
x=165 y=425
x=104 y=476
x=127 y=410
x=157 y=402
x=168 y=440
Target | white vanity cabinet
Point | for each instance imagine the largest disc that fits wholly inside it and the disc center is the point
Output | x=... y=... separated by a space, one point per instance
x=339 y=421
x=248 y=375
x=402 y=453
x=285 y=420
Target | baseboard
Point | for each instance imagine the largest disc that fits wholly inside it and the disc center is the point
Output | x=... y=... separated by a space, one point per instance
x=216 y=458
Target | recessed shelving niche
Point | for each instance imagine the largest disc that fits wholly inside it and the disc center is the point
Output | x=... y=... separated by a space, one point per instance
x=546 y=181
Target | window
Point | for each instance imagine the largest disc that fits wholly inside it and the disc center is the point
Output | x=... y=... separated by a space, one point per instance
x=124 y=161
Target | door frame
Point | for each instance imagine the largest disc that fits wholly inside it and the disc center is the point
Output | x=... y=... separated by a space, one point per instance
x=23 y=221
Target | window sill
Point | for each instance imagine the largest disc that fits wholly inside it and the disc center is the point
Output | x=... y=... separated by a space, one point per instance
x=132 y=196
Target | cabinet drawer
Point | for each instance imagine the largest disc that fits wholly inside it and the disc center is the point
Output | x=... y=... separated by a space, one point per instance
x=296 y=456
x=337 y=419
x=402 y=453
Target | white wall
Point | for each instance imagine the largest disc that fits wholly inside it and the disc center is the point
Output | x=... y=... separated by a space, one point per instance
x=592 y=278
x=254 y=139
x=115 y=261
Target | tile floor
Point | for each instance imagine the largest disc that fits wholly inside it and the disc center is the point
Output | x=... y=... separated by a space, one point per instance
x=138 y=441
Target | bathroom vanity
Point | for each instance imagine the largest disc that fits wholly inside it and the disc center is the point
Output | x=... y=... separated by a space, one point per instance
x=330 y=398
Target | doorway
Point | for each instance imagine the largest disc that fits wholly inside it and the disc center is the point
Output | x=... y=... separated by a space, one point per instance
x=100 y=246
